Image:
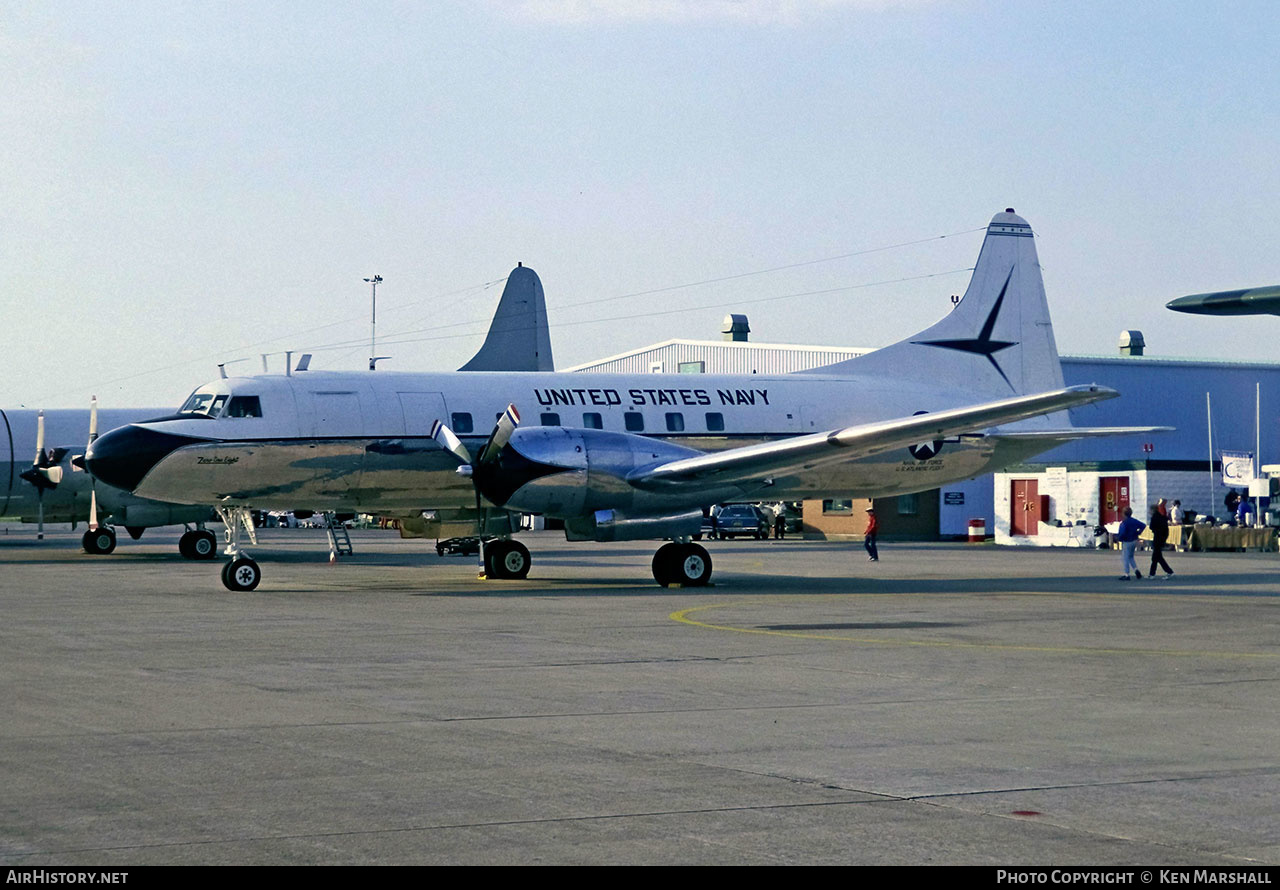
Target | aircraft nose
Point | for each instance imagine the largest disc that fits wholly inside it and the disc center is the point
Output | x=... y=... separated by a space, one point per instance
x=124 y=456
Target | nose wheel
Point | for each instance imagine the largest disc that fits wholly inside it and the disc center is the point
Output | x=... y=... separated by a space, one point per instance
x=682 y=565
x=241 y=574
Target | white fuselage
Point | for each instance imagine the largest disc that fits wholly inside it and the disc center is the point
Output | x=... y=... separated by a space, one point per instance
x=360 y=440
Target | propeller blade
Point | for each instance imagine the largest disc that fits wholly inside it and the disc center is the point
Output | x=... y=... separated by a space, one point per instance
x=501 y=435
x=450 y=442
x=39 y=459
x=93 y=483
x=36 y=477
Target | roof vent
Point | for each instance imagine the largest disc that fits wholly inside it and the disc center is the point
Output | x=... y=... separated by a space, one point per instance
x=1131 y=343
x=735 y=327
x=1008 y=210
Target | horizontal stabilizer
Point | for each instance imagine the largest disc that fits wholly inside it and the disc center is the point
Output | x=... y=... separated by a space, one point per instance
x=1083 y=432
x=754 y=463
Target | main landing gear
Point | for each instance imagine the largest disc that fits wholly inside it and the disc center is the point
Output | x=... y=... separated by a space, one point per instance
x=198 y=544
x=506 y=559
x=682 y=564
x=99 y=541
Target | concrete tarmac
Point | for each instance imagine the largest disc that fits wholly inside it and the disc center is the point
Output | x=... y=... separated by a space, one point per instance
x=949 y=704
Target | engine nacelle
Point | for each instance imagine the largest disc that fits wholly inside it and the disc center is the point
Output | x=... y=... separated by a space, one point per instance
x=572 y=473
x=609 y=525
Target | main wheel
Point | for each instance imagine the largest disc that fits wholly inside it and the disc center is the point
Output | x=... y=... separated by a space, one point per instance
x=101 y=540
x=507 y=559
x=688 y=565
x=241 y=574
x=204 y=545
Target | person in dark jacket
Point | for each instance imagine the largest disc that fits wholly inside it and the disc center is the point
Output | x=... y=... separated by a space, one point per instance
x=1159 y=525
x=1127 y=535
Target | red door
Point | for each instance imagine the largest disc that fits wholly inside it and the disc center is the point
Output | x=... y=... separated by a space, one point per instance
x=1113 y=497
x=1024 y=500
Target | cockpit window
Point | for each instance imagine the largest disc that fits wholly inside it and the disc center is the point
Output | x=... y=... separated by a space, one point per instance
x=204 y=404
x=244 y=406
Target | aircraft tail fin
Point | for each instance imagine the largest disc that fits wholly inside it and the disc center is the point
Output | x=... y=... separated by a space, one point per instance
x=998 y=338
x=518 y=338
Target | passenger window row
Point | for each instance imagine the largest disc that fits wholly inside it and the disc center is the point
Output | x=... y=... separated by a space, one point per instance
x=592 y=420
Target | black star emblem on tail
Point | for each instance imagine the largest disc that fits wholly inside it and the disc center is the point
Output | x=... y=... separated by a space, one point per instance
x=982 y=344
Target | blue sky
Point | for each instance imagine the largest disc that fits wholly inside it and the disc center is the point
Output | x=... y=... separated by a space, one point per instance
x=194 y=183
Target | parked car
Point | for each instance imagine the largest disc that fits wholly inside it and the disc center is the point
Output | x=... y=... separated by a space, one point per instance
x=737 y=520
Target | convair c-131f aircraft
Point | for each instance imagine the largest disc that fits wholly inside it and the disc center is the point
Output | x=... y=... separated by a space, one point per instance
x=622 y=457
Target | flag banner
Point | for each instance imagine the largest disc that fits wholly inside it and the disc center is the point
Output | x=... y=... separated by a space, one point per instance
x=1237 y=468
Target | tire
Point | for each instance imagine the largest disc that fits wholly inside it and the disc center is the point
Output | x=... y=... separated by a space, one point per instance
x=99 y=542
x=204 y=545
x=686 y=565
x=241 y=574
x=507 y=559
x=184 y=546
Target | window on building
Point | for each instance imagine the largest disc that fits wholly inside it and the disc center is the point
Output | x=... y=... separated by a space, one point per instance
x=715 y=422
x=592 y=420
x=550 y=418
x=693 y=367
x=908 y=504
x=462 y=422
x=244 y=406
x=837 y=507
x=675 y=422
x=634 y=421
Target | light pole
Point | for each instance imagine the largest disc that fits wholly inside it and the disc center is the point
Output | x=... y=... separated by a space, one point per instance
x=373 y=321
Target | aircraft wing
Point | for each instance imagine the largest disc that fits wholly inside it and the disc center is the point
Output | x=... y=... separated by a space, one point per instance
x=756 y=462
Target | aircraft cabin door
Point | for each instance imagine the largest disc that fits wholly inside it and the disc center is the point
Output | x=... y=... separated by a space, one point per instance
x=334 y=459
x=420 y=410
x=336 y=415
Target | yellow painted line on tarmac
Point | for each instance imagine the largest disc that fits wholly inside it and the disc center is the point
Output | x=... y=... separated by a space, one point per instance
x=683 y=616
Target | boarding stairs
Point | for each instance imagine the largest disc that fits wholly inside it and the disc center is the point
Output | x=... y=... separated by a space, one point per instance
x=339 y=540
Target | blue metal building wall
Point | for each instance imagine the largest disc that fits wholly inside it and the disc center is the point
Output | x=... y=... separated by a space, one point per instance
x=1172 y=393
